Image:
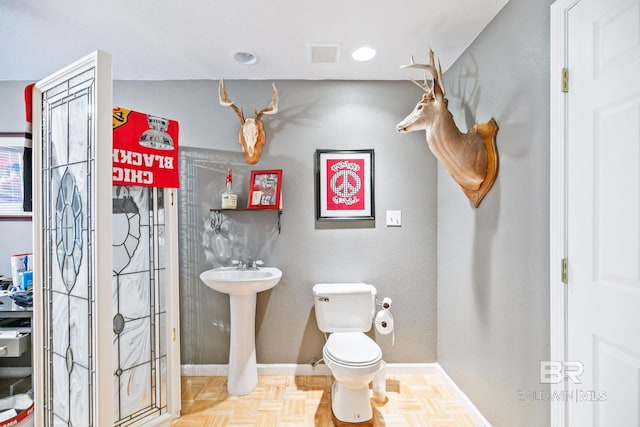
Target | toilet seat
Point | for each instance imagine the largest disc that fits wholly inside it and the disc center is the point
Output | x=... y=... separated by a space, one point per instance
x=352 y=350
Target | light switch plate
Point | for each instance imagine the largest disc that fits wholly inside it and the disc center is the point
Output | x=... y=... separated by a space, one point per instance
x=394 y=218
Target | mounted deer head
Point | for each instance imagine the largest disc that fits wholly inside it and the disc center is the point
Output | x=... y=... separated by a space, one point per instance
x=251 y=135
x=470 y=158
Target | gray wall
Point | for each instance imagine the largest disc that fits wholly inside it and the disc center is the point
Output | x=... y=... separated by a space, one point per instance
x=493 y=298
x=15 y=238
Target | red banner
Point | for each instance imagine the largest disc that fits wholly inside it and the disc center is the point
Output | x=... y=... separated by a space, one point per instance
x=145 y=150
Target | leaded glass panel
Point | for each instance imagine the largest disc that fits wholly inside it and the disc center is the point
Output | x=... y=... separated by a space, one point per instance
x=139 y=344
x=68 y=149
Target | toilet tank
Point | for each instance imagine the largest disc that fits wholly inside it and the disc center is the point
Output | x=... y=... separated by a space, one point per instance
x=344 y=307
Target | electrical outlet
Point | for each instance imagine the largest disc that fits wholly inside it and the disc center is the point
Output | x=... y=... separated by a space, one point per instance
x=394 y=218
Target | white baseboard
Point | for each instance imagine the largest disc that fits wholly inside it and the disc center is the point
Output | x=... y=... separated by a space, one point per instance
x=476 y=415
x=293 y=369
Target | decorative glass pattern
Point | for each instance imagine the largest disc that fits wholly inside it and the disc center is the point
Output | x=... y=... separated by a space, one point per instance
x=139 y=321
x=69 y=330
x=69 y=229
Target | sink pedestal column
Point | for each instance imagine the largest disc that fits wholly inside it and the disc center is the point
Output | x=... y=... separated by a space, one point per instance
x=243 y=370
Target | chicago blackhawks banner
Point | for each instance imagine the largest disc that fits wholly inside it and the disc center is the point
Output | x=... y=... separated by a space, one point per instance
x=145 y=150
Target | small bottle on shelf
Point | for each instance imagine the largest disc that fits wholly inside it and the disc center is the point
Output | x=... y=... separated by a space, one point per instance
x=229 y=198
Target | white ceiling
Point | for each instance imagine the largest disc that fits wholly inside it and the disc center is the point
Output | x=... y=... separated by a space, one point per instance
x=194 y=39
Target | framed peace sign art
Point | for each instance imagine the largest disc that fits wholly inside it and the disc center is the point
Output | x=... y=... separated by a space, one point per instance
x=344 y=185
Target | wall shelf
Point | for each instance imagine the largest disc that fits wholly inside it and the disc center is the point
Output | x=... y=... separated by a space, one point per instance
x=216 y=221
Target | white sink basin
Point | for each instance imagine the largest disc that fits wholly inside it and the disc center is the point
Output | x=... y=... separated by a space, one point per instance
x=242 y=286
x=232 y=281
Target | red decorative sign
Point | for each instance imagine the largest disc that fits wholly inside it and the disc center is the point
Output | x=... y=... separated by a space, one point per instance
x=345 y=184
x=145 y=150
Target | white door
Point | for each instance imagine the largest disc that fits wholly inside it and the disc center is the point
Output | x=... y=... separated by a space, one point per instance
x=602 y=168
x=99 y=359
x=72 y=245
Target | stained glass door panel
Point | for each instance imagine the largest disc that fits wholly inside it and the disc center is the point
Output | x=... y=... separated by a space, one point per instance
x=139 y=308
x=66 y=175
x=72 y=163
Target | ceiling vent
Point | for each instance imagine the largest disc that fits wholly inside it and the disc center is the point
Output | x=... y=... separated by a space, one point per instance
x=323 y=53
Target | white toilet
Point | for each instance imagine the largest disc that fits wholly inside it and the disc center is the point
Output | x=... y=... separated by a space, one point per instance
x=346 y=310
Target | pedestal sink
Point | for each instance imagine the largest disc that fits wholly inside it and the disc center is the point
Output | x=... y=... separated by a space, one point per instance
x=242 y=286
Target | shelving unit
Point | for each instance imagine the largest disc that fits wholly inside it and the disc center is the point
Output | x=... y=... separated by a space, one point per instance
x=216 y=221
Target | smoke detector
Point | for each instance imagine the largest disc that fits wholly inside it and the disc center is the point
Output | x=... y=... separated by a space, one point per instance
x=244 y=57
x=323 y=53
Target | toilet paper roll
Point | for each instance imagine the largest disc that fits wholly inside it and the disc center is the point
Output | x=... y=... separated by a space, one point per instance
x=386 y=303
x=384 y=322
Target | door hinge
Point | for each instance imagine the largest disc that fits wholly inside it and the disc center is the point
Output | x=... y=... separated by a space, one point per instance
x=565 y=80
x=565 y=271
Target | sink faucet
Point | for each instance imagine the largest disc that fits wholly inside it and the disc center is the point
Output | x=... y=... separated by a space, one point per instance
x=256 y=264
x=249 y=265
x=239 y=264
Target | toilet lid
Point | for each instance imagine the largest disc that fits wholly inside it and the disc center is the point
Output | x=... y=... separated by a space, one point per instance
x=353 y=348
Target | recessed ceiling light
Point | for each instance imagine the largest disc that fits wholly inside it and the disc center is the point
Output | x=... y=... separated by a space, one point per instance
x=363 y=54
x=244 y=57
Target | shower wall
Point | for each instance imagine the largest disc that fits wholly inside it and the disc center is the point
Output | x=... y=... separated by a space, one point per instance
x=242 y=235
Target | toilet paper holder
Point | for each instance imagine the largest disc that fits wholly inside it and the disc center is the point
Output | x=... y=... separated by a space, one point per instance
x=385 y=303
x=383 y=320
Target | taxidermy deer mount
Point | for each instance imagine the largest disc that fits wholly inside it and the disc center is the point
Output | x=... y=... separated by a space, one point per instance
x=251 y=135
x=470 y=158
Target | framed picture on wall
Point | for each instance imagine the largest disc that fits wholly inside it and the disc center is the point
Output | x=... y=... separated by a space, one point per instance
x=15 y=176
x=345 y=185
x=265 y=188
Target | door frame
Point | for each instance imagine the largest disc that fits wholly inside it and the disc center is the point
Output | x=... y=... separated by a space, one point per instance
x=174 y=403
x=558 y=226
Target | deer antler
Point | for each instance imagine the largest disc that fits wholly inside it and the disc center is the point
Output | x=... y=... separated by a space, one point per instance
x=226 y=102
x=251 y=135
x=272 y=108
x=431 y=67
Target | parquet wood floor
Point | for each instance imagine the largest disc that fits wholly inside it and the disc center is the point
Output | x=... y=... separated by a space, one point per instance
x=284 y=401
